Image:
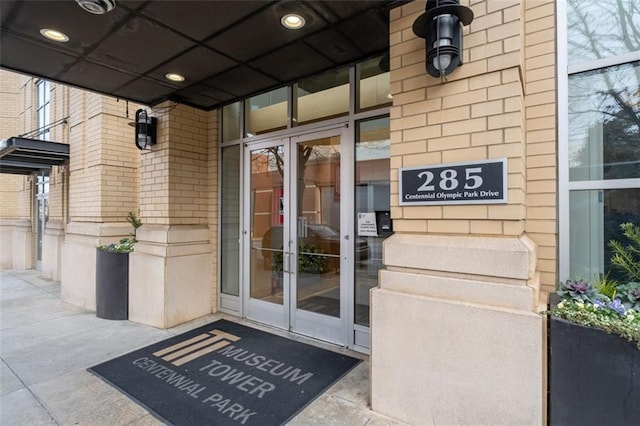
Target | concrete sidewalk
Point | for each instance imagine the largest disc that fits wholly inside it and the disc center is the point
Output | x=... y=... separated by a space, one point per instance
x=47 y=345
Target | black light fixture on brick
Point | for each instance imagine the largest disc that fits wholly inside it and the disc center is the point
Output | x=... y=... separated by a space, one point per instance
x=441 y=27
x=145 y=130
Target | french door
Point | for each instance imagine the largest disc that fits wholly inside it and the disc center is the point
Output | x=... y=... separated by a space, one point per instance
x=296 y=231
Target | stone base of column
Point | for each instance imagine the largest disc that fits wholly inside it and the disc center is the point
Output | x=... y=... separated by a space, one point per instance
x=455 y=336
x=6 y=243
x=22 y=245
x=170 y=275
x=52 y=249
x=78 y=274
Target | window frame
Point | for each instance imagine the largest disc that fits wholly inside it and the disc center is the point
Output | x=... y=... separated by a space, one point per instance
x=565 y=186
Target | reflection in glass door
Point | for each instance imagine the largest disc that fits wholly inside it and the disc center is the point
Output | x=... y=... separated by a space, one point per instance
x=41 y=213
x=295 y=240
x=269 y=258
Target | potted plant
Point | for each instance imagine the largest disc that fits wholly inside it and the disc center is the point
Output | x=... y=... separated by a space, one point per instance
x=594 y=346
x=112 y=276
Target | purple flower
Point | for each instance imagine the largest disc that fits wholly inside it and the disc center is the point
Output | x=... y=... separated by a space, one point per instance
x=617 y=306
x=579 y=286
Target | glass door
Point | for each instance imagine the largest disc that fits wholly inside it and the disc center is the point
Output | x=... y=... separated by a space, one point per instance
x=41 y=213
x=267 y=236
x=297 y=236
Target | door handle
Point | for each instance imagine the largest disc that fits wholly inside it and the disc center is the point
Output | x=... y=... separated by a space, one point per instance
x=285 y=263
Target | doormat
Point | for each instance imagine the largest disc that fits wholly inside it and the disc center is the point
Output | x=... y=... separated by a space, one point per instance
x=225 y=373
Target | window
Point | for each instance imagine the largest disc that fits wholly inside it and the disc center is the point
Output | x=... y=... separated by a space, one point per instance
x=374 y=89
x=266 y=112
x=372 y=202
x=322 y=96
x=231 y=121
x=43 y=109
x=599 y=133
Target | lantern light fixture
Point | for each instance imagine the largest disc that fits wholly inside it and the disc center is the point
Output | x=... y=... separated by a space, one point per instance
x=441 y=27
x=145 y=130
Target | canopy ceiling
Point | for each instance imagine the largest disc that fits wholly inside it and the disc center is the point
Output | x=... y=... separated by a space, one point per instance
x=225 y=49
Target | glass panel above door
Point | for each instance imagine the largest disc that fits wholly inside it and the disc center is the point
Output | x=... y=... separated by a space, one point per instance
x=266 y=112
x=321 y=97
x=374 y=90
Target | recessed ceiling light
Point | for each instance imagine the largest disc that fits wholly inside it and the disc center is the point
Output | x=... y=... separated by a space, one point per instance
x=97 y=7
x=293 y=21
x=174 y=77
x=54 y=35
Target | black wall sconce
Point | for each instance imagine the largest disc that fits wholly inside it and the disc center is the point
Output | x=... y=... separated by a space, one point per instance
x=145 y=129
x=441 y=27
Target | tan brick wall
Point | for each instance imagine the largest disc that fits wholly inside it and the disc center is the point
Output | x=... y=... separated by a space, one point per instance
x=540 y=107
x=174 y=173
x=477 y=114
x=10 y=185
x=484 y=110
x=103 y=158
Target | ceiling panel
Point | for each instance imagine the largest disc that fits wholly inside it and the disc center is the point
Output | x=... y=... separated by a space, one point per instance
x=198 y=63
x=241 y=81
x=147 y=46
x=334 y=46
x=24 y=55
x=226 y=49
x=302 y=60
x=84 y=29
x=83 y=74
x=201 y=19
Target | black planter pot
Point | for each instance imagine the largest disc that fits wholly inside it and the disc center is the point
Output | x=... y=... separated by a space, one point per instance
x=112 y=285
x=594 y=377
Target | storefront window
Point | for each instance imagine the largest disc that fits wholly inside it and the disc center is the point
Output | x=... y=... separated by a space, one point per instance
x=372 y=198
x=596 y=216
x=603 y=28
x=604 y=126
x=600 y=180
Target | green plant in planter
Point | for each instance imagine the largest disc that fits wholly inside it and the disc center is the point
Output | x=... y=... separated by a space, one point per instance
x=627 y=258
x=578 y=290
x=629 y=295
x=608 y=306
x=125 y=245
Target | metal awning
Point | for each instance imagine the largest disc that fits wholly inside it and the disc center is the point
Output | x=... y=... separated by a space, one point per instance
x=25 y=156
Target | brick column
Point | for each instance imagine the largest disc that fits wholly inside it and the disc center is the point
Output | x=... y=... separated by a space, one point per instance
x=467 y=345
x=103 y=186
x=171 y=273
